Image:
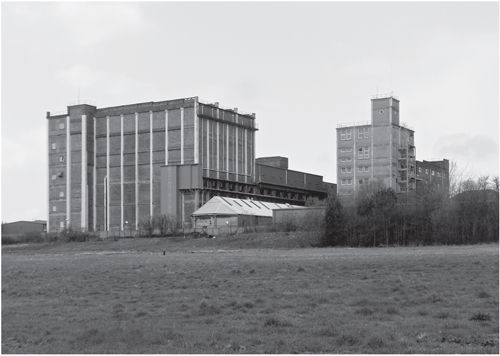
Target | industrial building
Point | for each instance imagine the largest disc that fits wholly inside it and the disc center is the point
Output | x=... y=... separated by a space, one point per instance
x=18 y=228
x=111 y=168
x=229 y=215
x=382 y=149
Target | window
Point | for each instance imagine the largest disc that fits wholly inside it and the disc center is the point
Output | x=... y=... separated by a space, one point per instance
x=342 y=170
x=61 y=159
x=61 y=224
x=342 y=159
x=438 y=174
x=342 y=150
x=426 y=171
x=363 y=153
x=349 y=159
x=419 y=169
x=54 y=146
x=61 y=194
x=349 y=181
x=61 y=126
x=367 y=169
x=54 y=208
x=342 y=182
x=360 y=181
x=432 y=173
x=349 y=169
x=444 y=175
x=348 y=149
x=345 y=134
x=363 y=132
x=54 y=177
x=360 y=169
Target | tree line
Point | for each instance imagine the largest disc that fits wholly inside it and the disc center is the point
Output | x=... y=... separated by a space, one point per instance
x=466 y=214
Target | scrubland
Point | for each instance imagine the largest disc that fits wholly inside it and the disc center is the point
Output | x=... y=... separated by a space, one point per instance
x=198 y=297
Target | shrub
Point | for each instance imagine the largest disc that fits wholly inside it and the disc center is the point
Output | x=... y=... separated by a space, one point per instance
x=276 y=323
x=206 y=309
x=483 y=294
x=71 y=235
x=29 y=237
x=481 y=317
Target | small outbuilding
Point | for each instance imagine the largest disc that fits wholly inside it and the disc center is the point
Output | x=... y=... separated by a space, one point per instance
x=18 y=228
x=229 y=215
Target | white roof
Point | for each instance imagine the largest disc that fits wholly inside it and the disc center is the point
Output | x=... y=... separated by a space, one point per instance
x=231 y=206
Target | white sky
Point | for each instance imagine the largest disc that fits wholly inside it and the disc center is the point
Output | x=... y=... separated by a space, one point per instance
x=302 y=68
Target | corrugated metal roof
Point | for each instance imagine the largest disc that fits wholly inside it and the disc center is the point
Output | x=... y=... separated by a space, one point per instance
x=231 y=206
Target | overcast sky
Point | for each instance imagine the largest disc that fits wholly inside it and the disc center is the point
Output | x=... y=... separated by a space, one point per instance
x=303 y=68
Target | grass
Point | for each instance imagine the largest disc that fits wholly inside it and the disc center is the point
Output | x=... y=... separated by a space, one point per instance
x=99 y=298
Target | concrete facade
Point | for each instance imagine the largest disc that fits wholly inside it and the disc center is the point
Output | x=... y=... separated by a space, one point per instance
x=382 y=149
x=112 y=168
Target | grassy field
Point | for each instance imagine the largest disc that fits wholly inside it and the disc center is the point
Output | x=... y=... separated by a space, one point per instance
x=128 y=296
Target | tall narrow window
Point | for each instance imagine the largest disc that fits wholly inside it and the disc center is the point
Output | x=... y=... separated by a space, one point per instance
x=54 y=208
x=348 y=134
x=54 y=146
x=367 y=152
x=360 y=153
x=61 y=126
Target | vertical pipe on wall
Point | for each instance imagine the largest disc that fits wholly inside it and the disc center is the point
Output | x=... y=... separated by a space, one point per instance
x=390 y=143
x=94 y=183
x=372 y=152
x=227 y=149
x=246 y=156
x=83 y=210
x=166 y=137
x=196 y=135
x=121 y=172
x=151 y=164
x=182 y=135
x=107 y=174
x=68 y=174
x=217 y=151
x=48 y=177
x=136 y=171
x=208 y=146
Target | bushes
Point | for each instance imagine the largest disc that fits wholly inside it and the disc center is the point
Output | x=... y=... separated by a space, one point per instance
x=29 y=237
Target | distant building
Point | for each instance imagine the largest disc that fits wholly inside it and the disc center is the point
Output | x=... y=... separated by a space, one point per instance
x=382 y=149
x=111 y=168
x=435 y=173
x=22 y=227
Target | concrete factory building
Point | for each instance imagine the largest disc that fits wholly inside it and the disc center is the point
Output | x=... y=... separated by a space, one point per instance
x=383 y=149
x=110 y=168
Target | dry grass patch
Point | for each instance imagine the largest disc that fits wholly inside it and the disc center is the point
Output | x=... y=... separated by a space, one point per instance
x=333 y=300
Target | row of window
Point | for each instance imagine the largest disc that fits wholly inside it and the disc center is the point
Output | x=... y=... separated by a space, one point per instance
x=349 y=169
x=363 y=153
x=361 y=181
x=346 y=150
x=432 y=172
x=363 y=132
